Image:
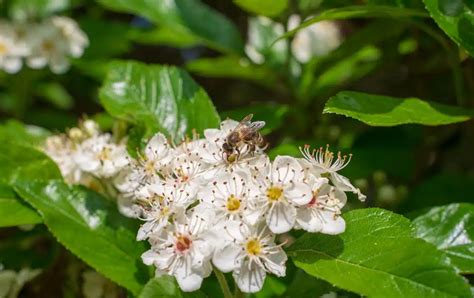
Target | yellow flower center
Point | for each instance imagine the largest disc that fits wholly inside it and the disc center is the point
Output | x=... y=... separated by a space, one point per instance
x=274 y=193
x=233 y=203
x=48 y=45
x=3 y=48
x=253 y=247
x=104 y=154
x=150 y=167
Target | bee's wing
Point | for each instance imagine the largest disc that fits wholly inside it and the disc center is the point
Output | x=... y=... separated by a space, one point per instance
x=254 y=126
x=244 y=122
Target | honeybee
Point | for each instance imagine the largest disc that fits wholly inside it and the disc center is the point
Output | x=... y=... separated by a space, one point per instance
x=245 y=133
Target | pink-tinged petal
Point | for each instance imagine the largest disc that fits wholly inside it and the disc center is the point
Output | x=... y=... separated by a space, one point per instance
x=281 y=218
x=299 y=194
x=226 y=259
x=250 y=279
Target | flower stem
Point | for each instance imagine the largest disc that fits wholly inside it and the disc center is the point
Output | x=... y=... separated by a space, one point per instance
x=222 y=282
x=238 y=293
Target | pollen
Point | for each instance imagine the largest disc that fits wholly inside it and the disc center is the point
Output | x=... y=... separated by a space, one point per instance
x=183 y=243
x=233 y=203
x=150 y=167
x=274 y=193
x=253 y=247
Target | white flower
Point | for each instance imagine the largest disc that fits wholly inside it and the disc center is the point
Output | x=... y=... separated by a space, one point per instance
x=322 y=213
x=100 y=157
x=61 y=150
x=182 y=249
x=322 y=163
x=228 y=195
x=12 y=48
x=157 y=154
x=161 y=202
x=250 y=254
x=53 y=42
x=281 y=188
x=315 y=40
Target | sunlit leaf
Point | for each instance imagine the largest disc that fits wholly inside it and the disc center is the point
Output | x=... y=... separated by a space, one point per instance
x=13 y=211
x=379 y=110
x=451 y=229
x=377 y=256
x=456 y=19
x=90 y=227
x=159 y=97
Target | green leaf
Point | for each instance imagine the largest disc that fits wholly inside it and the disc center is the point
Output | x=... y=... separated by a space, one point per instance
x=359 y=11
x=269 y=8
x=166 y=286
x=451 y=229
x=25 y=163
x=90 y=227
x=378 y=257
x=17 y=132
x=13 y=211
x=186 y=18
x=232 y=67
x=378 y=110
x=55 y=94
x=159 y=97
x=455 y=19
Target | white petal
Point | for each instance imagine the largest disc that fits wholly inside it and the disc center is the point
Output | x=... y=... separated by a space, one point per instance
x=286 y=169
x=299 y=194
x=225 y=259
x=308 y=221
x=281 y=218
x=12 y=64
x=157 y=146
x=343 y=184
x=249 y=280
x=277 y=263
x=188 y=282
x=149 y=257
x=332 y=224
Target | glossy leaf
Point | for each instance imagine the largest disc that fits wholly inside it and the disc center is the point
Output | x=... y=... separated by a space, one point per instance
x=187 y=18
x=13 y=211
x=451 y=229
x=359 y=11
x=166 y=286
x=456 y=19
x=270 y=8
x=90 y=227
x=379 y=110
x=159 y=97
x=378 y=257
x=25 y=163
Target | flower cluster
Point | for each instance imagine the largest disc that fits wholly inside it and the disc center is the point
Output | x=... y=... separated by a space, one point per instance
x=206 y=204
x=51 y=42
